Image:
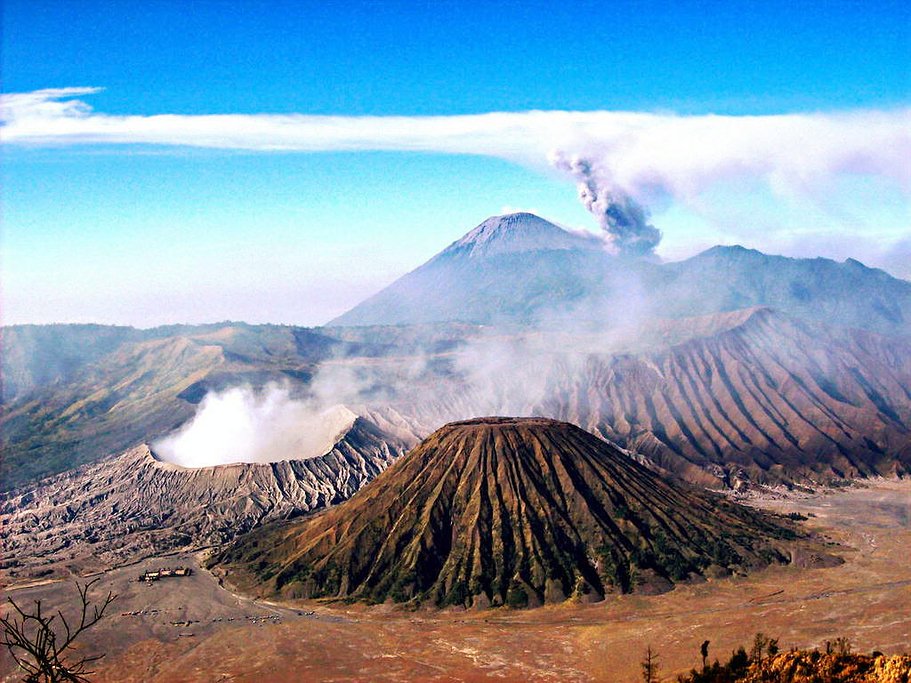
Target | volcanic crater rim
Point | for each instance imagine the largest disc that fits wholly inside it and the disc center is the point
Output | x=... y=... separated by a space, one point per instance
x=502 y=421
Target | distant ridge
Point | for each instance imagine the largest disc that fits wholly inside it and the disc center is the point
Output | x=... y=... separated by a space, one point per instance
x=515 y=511
x=521 y=269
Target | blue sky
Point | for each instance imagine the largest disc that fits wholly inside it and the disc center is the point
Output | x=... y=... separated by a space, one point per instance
x=153 y=233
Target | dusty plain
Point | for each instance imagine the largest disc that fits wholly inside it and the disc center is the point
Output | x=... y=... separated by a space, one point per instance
x=191 y=629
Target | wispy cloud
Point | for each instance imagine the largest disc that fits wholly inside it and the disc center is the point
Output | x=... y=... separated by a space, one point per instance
x=641 y=152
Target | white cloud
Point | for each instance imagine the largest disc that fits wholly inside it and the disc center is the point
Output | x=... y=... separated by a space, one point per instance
x=642 y=153
x=797 y=160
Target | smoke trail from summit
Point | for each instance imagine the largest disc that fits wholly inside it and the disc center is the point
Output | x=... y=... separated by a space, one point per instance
x=623 y=220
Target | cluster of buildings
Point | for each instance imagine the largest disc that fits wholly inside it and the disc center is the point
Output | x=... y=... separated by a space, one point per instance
x=164 y=572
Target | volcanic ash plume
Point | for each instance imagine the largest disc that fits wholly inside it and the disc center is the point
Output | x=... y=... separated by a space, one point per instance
x=623 y=220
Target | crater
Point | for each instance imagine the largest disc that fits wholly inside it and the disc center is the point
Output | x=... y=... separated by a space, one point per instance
x=223 y=434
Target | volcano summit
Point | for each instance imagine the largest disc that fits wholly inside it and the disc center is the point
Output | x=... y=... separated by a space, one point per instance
x=516 y=511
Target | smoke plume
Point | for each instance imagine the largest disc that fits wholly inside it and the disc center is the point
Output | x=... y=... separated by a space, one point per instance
x=623 y=220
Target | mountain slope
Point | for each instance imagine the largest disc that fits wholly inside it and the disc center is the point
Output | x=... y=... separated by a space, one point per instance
x=770 y=400
x=509 y=268
x=848 y=294
x=517 y=233
x=746 y=396
x=507 y=511
x=37 y=355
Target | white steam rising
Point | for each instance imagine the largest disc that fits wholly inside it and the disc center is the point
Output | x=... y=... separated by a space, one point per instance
x=244 y=425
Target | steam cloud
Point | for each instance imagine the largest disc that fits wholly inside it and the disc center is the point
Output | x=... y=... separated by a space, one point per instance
x=244 y=425
x=623 y=220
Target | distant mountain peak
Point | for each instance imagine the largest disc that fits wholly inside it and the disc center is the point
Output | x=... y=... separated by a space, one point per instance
x=854 y=263
x=730 y=250
x=518 y=232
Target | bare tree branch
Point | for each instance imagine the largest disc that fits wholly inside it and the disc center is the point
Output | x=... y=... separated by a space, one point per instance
x=32 y=640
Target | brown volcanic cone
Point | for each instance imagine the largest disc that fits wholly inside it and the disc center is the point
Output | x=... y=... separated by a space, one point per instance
x=514 y=511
